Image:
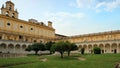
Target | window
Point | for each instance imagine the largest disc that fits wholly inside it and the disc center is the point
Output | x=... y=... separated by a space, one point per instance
x=26 y=40
x=7 y=14
x=8 y=24
x=21 y=26
x=31 y=29
x=35 y=41
x=20 y=37
x=10 y=7
x=13 y=15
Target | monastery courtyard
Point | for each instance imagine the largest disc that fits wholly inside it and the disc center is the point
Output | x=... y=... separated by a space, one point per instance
x=35 y=44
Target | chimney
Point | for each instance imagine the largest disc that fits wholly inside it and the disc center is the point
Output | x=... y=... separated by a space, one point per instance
x=50 y=24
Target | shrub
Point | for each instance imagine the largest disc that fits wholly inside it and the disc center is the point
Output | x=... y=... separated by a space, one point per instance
x=97 y=50
x=36 y=47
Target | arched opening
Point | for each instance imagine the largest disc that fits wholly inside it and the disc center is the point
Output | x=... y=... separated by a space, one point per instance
x=10 y=48
x=102 y=48
x=3 y=47
x=85 y=47
x=107 y=48
x=17 y=46
x=24 y=46
x=114 y=48
x=7 y=14
x=95 y=45
x=26 y=40
x=10 y=7
x=13 y=15
x=90 y=48
x=35 y=41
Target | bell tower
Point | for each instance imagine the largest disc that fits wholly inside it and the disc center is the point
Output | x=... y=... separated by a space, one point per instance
x=9 y=10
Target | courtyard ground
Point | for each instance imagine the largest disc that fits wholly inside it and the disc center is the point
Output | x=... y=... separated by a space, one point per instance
x=54 y=61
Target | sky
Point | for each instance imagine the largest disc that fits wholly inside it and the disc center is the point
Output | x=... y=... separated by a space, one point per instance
x=72 y=17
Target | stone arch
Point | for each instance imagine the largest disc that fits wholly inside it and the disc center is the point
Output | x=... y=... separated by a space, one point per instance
x=3 y=45
x=10 y=7
x=17 y=46
x=10 y=46
x=7 y=13
x=90 y=48
x=107 y=48
x=102 y=48
x=114 y=48
x=95 y=45
x=24 y=46
x=85 y=47
x=13 y=15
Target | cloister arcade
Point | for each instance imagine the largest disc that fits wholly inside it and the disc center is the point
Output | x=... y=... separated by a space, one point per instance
x=13 y=47
x=106 y=47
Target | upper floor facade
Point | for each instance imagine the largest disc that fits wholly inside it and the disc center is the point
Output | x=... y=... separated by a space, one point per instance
x=94 y=37
x=11 y=25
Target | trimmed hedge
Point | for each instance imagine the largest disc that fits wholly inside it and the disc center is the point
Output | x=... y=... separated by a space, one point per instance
x=97 y=50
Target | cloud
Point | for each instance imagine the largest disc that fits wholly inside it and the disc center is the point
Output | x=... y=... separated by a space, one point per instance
x=99 y=5
x=85 y=3
x=64 y=22
x=63 y=16
x=109 y=6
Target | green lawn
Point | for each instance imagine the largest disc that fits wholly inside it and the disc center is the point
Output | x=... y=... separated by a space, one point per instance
x=90 y=61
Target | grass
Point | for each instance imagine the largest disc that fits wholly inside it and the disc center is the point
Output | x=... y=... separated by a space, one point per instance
x=92 y=61
x=14 y=61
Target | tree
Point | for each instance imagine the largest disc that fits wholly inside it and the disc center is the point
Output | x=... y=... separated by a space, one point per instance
x=36 y=47
x=60 y=47
x=97 y=50
x=48 y=45
x=82 y=50
x=52 y=49
x=70 y=47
